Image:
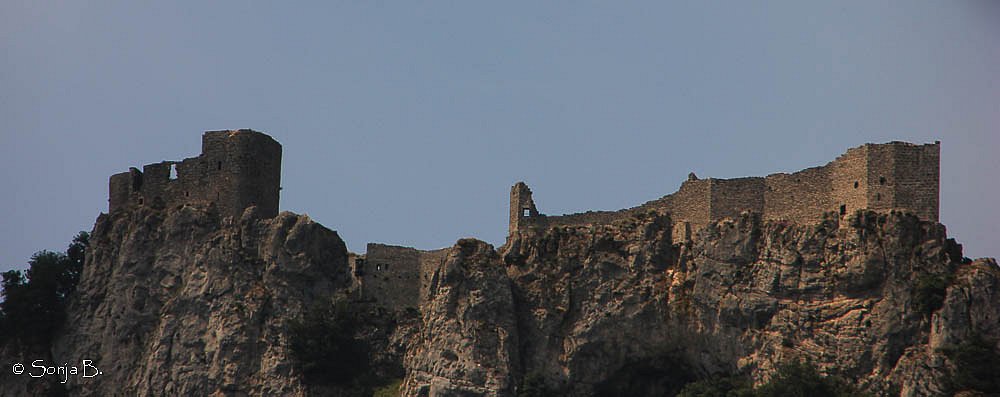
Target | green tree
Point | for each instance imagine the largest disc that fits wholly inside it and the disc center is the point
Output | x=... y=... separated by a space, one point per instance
x=729 y=386
x=929 y=293
x=976 y=365
x=802 y=379
x=35 y=300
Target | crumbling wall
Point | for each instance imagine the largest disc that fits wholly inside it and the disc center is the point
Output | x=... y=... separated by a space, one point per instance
x=803 y=196
x=237 y=169
x=248 y=165
x=849 y=180
x=692 y=202
x=395 y=277
x=124 y=188
x=881 y=162
x=583 y=218
x=915 y=179
x=522 y=207
x=429 y=261
x=730 y=197
x=390 y=276
x=880 y=177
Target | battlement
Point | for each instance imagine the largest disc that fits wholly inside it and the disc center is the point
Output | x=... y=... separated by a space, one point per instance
x=895 y=176
x=237 y=169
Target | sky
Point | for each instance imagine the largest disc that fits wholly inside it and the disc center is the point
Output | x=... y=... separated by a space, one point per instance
x=407 y=122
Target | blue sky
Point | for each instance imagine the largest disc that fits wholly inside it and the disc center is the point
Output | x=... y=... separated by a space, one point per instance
x=407 y=122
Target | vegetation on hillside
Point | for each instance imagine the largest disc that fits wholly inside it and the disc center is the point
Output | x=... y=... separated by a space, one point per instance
x=793 y=379
x=324 y=346
x=35 y=300
x=975 y=366
x=929 y=292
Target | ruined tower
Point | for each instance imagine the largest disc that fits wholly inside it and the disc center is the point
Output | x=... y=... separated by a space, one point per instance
x=521 y=205
x=237 y=169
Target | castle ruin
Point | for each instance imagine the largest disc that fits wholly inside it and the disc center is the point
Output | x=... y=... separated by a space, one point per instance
x=896 y=176
x=237 y=169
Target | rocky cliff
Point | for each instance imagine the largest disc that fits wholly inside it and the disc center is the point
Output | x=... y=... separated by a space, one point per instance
x=621 y=309
x=180 y=302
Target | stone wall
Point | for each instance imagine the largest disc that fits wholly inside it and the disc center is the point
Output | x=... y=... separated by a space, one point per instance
x=802 y=196
x=430 y=260
x=730 y=197
x=849 y=180
x=521 y=205
x=880 y=194
x=916 y=179
x=580 y=218
x=881 y=177
x=692 y=202
x=248 y=164
x=390 y=276
x=396 y=277
x=237 y=169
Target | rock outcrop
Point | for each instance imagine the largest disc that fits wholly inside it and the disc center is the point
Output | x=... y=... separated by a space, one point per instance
x=179 y=302
x=620 y=309
x=467 y=344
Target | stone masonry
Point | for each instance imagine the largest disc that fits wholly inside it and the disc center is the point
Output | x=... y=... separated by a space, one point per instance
x=396 y=277
x=237 y=169
x=895 y=176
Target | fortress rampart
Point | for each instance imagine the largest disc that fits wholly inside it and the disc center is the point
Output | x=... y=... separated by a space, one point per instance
x=895 y=176
x=236 y=169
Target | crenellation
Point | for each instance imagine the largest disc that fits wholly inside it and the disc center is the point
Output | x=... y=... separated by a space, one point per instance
x=236 y=170
x=895 y=176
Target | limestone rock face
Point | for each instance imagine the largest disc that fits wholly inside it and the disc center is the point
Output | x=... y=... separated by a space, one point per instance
x=621 y=309
x=467 y=344
x=180 y=303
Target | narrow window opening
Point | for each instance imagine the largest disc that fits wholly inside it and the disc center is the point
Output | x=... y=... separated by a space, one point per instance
x=526 y=212
x=855 y=184
x=843 y=209
x=187 y=194
x=218 y=166
x=140 y=200
x=881 y=180
x=173 y=171
x=878 y=196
